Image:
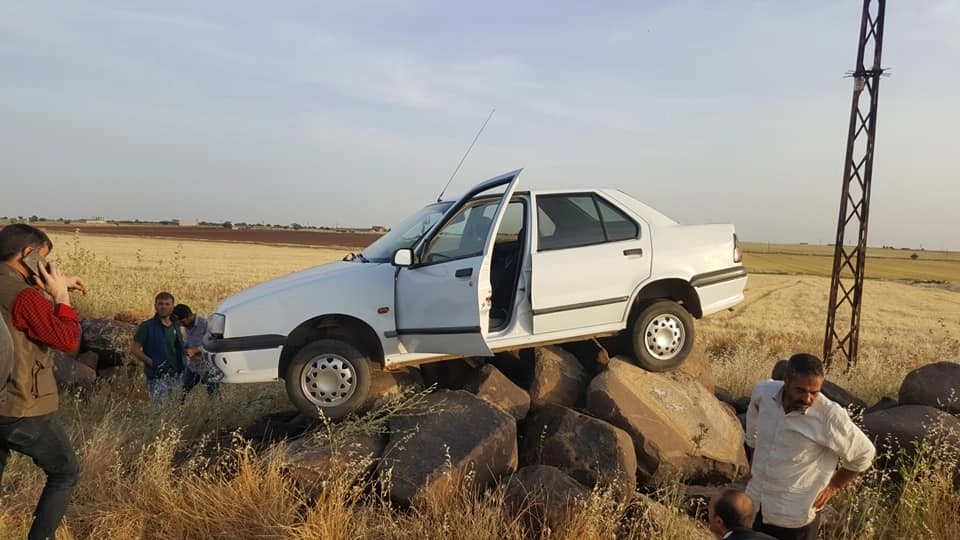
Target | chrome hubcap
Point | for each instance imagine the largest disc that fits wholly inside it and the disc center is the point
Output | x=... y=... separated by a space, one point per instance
x=664 y=337
x=328 y=380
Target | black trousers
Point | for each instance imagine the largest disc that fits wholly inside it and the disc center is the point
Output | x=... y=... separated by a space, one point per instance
x=807 y=532
x=43 y=439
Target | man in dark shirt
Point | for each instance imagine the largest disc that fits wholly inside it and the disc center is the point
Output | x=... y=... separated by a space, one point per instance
x=158 y=345
x=36 y=324
x=730 y=514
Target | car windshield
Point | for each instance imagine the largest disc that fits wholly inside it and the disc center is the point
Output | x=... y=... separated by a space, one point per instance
x=406 y=234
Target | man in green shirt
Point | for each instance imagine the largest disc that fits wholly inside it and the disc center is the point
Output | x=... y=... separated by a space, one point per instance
x=158 y=345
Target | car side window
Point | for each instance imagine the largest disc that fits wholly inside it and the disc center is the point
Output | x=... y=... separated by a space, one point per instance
x=464 y=235
x=511 y=224
x=615 y=223
x=572 y=220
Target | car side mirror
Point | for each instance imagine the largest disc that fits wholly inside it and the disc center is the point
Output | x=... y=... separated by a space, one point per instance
x=403 y=257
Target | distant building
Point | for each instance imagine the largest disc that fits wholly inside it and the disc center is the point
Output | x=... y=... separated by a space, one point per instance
x=378 y=228
x=185 y=222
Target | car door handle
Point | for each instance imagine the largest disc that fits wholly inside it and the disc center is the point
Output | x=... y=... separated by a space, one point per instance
x=634 y=251
x=464 y=272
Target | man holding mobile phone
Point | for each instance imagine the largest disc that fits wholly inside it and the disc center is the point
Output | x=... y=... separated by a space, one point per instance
x=36 y=325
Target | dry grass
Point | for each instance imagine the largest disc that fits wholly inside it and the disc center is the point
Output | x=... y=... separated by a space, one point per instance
x=124 y=274
x=887 y=264
x=176 y=472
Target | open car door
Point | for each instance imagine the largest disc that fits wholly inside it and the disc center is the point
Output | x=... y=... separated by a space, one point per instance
x=443 y=297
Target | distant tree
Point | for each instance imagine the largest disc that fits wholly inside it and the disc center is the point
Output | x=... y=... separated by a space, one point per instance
x=34 y=218
x=66 y=222
x=914 y=256
x=226 y=225
x=296 y=226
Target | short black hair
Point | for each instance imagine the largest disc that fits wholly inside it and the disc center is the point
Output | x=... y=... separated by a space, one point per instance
x=164 y=296
x=728 y=513
x=804 y=364
x=15 y=237
x=182 y=311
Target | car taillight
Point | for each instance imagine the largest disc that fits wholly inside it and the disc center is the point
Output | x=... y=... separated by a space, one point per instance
x=737 y=249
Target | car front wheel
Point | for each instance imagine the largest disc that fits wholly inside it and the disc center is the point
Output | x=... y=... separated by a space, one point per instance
x=662 y=336
x=329 y=377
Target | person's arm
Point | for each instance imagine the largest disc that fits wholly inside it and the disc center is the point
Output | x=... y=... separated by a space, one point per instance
x=56 y=326
x=855 y=451
x=193 y=345
x=136 y=345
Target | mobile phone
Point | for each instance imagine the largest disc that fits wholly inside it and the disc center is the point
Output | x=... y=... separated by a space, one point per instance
x=33 y=260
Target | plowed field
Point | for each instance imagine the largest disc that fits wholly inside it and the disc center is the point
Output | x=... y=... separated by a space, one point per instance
x=259 y=236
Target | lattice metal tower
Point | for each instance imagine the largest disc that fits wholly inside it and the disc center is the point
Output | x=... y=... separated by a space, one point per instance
x=846 y=285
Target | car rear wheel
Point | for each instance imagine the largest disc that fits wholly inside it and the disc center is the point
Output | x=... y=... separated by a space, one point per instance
x=662 y=336
x=329 y=377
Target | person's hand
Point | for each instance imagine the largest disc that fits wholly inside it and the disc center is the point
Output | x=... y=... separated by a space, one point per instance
x=75 y=284
x=54 y=282
x=192 y=351
x=824 y=496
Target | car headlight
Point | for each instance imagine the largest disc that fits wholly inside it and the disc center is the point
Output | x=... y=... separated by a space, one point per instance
x=216 y=325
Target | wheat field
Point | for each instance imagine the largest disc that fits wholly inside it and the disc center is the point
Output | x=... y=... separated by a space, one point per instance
x=147 y=473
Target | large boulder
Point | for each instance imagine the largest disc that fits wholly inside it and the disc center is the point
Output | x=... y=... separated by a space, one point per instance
x=592 y=356
x=725 y=396
x=448 y=374
x=277 y=426
x=89 y=359
x=69 y=371
x=109 y=339
x=545 y=497
x=516 y=365
x=935 y=385
x=451 y=436
x=593 y=452
x=676 y=425
x=387 y=385
x=489 y=384
x=898 y=431
x=886 y=402
x=558 y=377
x=316 y=458
x=697 y=366
x=836 y=393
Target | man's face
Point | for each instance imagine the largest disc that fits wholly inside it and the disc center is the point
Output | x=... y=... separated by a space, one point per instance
x=800 y=391
x=164 y=307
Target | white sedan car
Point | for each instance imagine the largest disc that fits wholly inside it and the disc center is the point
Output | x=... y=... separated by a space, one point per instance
x=498 y=269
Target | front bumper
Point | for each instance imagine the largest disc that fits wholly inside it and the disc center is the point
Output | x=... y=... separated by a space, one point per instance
x=244 y=359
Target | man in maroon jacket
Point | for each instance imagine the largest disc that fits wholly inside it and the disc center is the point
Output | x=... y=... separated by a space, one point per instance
x=37 y=323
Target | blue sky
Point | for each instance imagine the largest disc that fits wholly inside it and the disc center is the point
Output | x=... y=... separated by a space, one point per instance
x=355 y=113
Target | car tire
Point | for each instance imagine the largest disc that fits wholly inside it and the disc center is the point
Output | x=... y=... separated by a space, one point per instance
x=662 y=336
x=328 y=377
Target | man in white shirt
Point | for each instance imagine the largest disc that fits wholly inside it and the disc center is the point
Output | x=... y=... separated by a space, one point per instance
x=798 y=438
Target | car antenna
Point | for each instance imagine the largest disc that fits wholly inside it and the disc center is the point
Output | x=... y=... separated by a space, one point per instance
x=465 y=154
